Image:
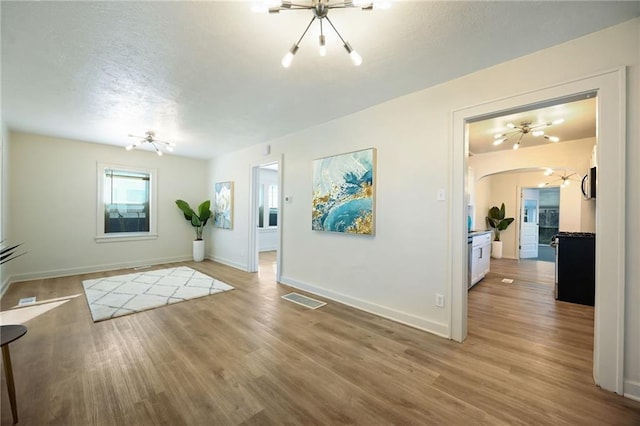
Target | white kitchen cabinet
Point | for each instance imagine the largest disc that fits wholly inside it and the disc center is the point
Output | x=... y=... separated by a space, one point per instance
x=480 y=256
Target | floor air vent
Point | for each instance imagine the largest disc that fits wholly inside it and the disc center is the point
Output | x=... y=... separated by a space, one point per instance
x=303 y=300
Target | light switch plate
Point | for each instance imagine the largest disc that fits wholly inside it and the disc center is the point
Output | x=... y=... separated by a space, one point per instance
x=441 y=194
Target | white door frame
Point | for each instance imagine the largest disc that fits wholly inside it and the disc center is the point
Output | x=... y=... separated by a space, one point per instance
x=520 y=207
x=253 y=260
x=608 y=351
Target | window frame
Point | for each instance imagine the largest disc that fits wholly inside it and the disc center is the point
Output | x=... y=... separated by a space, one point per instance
x=101 y=236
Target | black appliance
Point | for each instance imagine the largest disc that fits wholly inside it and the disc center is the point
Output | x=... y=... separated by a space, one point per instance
x=589 y=184
x=575 y=267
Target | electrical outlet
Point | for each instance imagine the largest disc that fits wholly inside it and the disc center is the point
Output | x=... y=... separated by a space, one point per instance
x=440 y=300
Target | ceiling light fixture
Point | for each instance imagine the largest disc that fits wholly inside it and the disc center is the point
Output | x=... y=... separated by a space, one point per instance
x=150 y=139
x=320 y=9
x=525 y=128
x=564 y=179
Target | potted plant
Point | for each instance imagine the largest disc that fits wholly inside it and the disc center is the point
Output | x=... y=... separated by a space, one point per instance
x=198 y=221
x=497 y=220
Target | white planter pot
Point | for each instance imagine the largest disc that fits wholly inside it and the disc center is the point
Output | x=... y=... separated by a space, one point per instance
x=198 y=250
x=496 y=249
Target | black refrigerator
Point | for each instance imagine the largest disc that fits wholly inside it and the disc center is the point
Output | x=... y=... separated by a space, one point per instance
x=576 y=267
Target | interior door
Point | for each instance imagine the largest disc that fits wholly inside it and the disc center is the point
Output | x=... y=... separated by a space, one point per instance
x=529 y=223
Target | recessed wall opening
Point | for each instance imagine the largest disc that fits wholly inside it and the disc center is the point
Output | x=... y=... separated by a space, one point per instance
x=266 y=219
x=555 y=141
x=608 y=153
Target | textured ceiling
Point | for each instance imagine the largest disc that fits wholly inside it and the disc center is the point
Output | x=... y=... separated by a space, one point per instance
x=207 y=75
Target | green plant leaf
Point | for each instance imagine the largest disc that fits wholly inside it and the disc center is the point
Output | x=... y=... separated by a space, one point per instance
x=203 y=209
x=494 y=213
x=496 y=220
x=198 y=220
x=9 y=253
x=186 y=209
x=504 y=223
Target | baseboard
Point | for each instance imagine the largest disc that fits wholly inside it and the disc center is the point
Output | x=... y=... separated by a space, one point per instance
x=94 y=268
x=423 y=324
x=270 y=248
x=632 y=390
x=228 y=263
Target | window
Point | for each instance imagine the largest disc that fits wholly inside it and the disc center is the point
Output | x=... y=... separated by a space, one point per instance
x=126 y=203
x=270 y=214
x=273 y=205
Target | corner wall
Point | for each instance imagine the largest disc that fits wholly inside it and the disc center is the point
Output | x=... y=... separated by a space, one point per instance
x=52 y=206
x=398 y=272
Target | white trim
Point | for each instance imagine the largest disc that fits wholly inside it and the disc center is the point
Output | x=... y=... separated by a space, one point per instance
x=608 y=365
x=228 y=262
x=54 y=273
x=252 y=250
x=153 y=204
x=280 y=216
x=632 y=390
x=610 y=260
x=128 y=236
x=254 y=183
x=439 y=329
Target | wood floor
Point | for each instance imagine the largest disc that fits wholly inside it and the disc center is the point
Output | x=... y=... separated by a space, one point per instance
x=247 y=357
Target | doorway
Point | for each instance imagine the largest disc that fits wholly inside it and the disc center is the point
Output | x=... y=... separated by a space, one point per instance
x=539 y=222
x=266 y=220
x=548 y=222
x=529 y=223
x=608 y=358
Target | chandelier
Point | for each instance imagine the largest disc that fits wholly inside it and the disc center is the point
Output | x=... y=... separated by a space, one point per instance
x=149 y=138
x=525 y=128
x=320 y=9
x=564 y=179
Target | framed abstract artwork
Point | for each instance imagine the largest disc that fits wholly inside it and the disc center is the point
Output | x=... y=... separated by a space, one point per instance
x=344 y=193
x=223 y=207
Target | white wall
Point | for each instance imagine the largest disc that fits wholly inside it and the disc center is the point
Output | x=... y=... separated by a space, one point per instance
x=397 y=272
x=53 y=204
x=4 y=170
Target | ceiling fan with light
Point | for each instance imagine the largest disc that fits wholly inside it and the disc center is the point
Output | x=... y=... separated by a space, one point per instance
x=525 y=128
x=320 y=9
x=564 y=179
x=151 y=140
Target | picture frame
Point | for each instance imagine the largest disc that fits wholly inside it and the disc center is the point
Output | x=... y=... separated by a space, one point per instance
x=343 y=188
x=223 y=205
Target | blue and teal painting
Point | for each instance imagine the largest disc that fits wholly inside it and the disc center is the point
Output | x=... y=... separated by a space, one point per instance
x=343 y=191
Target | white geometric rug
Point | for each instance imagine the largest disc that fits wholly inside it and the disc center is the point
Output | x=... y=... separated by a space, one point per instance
x=111 y=297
